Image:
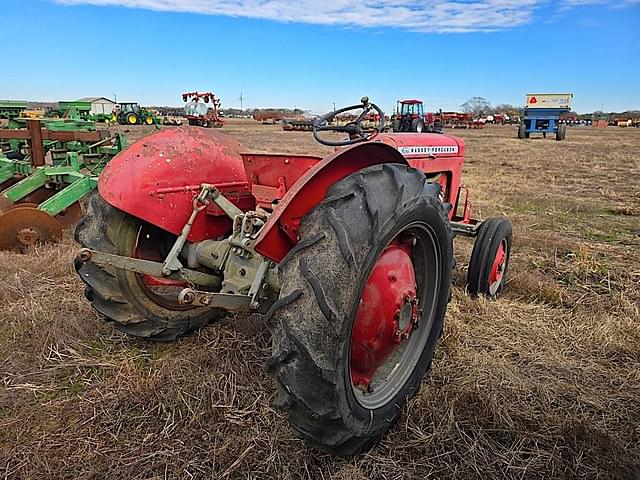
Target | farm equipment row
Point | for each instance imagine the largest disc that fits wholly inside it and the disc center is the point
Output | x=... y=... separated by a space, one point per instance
x=44 y=173
x=349 y=256
x=411 y=117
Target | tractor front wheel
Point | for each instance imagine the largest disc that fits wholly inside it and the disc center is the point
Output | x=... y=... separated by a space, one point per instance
x=132 y=119
x=490 y=258
x=139 y=305
x=362 y=305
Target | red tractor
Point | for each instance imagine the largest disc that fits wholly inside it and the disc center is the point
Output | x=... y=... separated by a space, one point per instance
x=410 y=117
x=349 y=257
x=202 y=109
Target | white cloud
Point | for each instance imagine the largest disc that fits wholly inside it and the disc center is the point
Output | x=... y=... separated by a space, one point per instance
x=415 y=15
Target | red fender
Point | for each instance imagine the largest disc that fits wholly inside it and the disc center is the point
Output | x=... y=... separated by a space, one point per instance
x=156 y=178
x=280 y=233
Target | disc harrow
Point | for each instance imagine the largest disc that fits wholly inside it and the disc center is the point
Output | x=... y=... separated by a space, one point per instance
x=44 y=178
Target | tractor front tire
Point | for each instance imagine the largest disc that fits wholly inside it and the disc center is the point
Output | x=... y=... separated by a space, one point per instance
x=489 y=262
x=323 y=277
x=118 y=294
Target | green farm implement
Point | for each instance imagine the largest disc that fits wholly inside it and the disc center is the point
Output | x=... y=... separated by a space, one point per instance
x=78 y=110
x=43 y=181
x=19 y=146
x=11 y=108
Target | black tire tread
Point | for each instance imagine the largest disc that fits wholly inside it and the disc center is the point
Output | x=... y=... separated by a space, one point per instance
x=490 y=230
x=97 y=230
x=309 y=322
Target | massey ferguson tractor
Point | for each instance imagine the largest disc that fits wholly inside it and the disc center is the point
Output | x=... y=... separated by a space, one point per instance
x=349 y=257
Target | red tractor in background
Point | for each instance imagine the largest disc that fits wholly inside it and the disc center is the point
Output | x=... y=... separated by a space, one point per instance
x=202 y=109
x=410 y=117
x=349 y=257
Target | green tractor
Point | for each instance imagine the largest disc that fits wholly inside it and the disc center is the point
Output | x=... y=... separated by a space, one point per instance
x=131 y=113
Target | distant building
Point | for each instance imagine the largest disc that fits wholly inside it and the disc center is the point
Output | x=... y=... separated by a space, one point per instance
x=99 y=105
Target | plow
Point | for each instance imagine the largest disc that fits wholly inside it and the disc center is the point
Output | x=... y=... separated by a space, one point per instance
x=44 y=175
x=348 y=256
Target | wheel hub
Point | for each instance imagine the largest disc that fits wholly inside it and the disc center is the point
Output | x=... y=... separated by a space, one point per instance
x=387 y=313
x=28 y=236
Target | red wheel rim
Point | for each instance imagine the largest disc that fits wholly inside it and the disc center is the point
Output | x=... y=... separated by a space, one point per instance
x=386 y=313
x=390 y=328
x=151 y=245
x=497 y=268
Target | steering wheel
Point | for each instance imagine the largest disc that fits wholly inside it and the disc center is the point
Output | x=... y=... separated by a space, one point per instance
x=353 y=129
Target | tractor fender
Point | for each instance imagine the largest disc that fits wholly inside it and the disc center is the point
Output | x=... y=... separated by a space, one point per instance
x=156 y=178
x=280 y=233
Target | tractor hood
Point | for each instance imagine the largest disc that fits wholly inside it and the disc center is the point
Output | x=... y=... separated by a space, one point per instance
x=424 y=145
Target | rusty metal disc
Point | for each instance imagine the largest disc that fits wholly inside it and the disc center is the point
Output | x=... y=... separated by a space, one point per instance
x=70 y=216
x=25 y=226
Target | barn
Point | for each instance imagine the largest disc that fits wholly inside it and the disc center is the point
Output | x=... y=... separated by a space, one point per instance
x=99 y=105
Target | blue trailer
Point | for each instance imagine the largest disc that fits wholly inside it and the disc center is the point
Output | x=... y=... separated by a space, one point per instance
x=542 y=114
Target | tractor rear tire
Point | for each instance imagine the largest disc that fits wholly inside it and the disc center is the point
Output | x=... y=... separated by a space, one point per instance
x=323 y=278
x=118 y=294
x=494 y=234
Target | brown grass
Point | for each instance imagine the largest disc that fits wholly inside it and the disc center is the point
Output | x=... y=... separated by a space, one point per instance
x=544 y=383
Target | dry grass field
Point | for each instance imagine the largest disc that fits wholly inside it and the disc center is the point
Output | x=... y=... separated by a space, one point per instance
x=543 y=383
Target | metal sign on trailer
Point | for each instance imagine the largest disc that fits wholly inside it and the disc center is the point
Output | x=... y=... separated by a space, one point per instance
x=549 y=100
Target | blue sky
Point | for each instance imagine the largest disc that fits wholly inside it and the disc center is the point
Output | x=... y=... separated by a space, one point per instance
x=310 y=54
